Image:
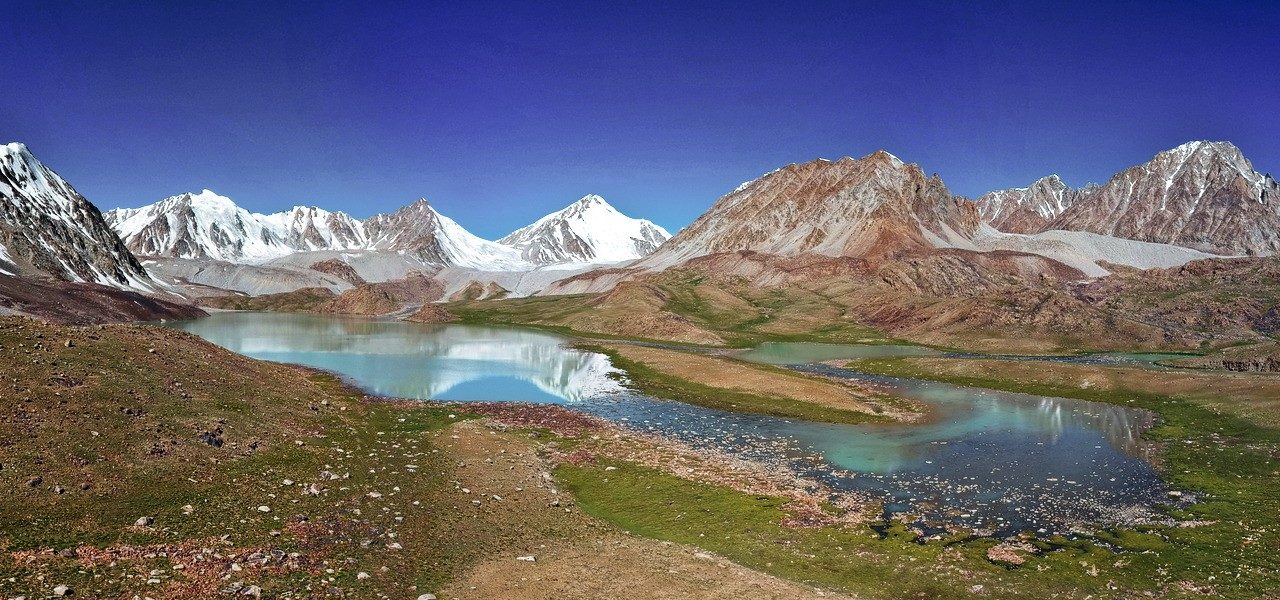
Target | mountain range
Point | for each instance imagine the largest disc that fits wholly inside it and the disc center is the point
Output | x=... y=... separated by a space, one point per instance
x=206 y=225
x=874 y=216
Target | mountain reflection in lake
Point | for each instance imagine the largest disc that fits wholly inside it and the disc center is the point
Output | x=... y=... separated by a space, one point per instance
x=993 y=460
x=423 y=362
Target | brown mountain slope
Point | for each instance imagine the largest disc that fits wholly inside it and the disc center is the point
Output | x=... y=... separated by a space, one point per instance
x=1202 y=195
x=875 y=205
x=66 y=302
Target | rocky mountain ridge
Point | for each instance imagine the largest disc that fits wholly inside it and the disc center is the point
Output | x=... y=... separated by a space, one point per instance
x=849 y=207
x=1201 y=195
x=48 y=229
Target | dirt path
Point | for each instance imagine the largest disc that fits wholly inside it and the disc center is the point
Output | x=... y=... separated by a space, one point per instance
x=590 y=560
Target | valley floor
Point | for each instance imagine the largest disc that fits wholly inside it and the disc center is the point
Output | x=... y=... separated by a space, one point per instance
x=144 y=461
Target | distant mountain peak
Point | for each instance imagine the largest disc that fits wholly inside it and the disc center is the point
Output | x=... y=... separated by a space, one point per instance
x=207 y=225
x=867 y=206
x=588 y=230
x=884 y=156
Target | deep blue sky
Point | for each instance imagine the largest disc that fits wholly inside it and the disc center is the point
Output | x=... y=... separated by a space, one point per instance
x=499 y=114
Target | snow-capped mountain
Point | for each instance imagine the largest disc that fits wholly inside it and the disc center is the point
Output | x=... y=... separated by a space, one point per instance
x=48 y=228
x=209 y=226
x=1201 y=195
x=587 y=231
x=849 y=207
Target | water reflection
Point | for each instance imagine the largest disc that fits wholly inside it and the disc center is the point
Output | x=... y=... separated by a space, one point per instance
x=438 y=362
x=984 y=458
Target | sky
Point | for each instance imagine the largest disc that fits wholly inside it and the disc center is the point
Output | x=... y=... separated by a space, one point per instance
x=499 y=113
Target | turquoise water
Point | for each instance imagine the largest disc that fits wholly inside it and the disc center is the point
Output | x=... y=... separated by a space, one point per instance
x=424 y=362
x=987 y=459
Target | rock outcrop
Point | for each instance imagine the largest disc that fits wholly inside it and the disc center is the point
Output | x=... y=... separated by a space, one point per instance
x=1201 y=195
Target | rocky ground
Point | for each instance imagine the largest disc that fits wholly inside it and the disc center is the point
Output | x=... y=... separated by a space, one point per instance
x=66 y=302
x=143 y=461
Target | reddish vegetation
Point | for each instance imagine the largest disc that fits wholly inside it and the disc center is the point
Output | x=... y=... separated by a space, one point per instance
x=554 y=418
x=66 y=302
x=431 y=313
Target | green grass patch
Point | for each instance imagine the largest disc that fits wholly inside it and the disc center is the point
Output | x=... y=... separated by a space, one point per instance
x=648 y=380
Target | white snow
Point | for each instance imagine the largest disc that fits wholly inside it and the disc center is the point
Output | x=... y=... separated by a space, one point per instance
x=52 y=216
x=5 y=260
x=586 y=232
x=207 y=225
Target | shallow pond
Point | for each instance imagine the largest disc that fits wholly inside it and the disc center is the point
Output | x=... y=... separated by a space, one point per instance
x=993 y=460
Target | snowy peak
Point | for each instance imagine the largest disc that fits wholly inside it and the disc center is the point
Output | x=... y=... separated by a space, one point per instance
x=588 y=231
x=47 y=228
x=200 y=225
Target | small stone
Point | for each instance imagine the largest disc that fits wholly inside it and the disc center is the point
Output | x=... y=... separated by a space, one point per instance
x=264 y=509
x=35 y=481
x=143 y=522
x=253 y=591
x=528 y=558
x=188 y=509
x=427 y=597
x=287 y=482
x=362 y=575
x=63 y=591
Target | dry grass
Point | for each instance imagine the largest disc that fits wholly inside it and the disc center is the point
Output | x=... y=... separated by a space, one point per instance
x=729 y=374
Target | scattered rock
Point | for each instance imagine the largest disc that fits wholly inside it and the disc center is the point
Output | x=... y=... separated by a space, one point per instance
x=1010 y=553
x=427 y=597
x=143 y=522
x=212 y=438
x=528 y=558
x=63 y=591
x=363 y=576
x=35 y=481
x=264 y=509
